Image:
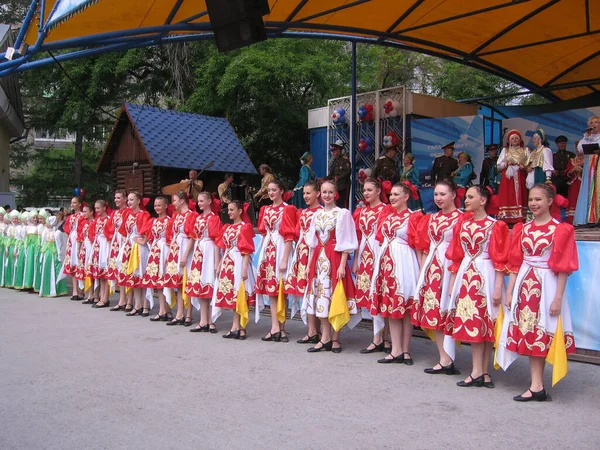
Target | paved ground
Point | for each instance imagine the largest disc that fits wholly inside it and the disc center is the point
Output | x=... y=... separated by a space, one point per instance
x=76 y=378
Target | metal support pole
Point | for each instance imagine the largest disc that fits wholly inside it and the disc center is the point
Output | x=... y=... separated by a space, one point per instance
x=26 y=22
x=353 y=131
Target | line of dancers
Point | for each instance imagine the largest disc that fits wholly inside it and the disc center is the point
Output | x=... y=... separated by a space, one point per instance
x=444 y=272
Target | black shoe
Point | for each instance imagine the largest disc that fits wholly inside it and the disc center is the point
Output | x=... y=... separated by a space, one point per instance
x=127 y=308
x=187 y=322
x=477 y=382
x=175 y=322
x=117 y=308
x=311 y=339
x=376 y=348
x=408 y=361
x=393 y=360
x=324 y=347
x=134 y=312
x=199 y=329
x=275 y=337
x=446 y=370
x=76 y=298
x=101 y=305
x=233 y=334
x=336 y=349
x=387 y=349
x=212 y=328
x=88 y=301
x=488 y=384
x=284 y=337
x=242 y=336
x=145 y=312
x=158 y=318
x=539 y=396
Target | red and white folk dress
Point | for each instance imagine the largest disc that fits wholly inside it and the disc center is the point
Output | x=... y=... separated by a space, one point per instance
x=85 y=250
x=296 y=281
x=178 y=241
x=156 y=234
x=201 y=276
x=433 y=301
x=538 y=253
x=132 y=226
x=396 y=271
x=71 y=227
x=236 y=240
x=116 y=243
x=277 y=224
x=367 y=220
x=477 y=252
x=102 y=233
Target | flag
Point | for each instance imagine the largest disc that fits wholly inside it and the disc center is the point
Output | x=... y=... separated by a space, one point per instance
x=339 y=314
x=241 y=305
x=429 y=332
x=87 y=283
x=281 y=303
x=497 y=333
x=557 y=355
x=134 y=259
x=184 y=296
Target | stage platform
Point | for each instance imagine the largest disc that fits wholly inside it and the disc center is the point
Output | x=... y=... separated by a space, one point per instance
x=587 y=234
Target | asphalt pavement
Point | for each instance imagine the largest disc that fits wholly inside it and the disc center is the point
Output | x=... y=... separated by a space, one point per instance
x=73 y=377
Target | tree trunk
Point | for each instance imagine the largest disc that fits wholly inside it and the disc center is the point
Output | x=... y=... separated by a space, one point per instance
x=77 y=162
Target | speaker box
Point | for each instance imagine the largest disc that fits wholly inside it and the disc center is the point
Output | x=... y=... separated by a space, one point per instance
x=237 y=23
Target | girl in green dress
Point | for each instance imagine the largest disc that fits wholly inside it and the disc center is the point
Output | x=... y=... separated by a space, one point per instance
x=9 y=249
x=41 y=227
x=20 y=251
x=3 y=228
x=32 y=249
x=50 y=263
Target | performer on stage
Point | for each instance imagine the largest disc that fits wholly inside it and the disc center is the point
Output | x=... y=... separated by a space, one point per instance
x=574 y=173
x=488 y=167
x=116 y=246
x=177 y=265
x=444 y=165
x=296 y=281
x=410 y=173
x=539 y=162
x=394 y=285
x=224 y=190
x=306 y=175
x=587 y=211
x=156 y=238
x=433 y=303
x=194 y=184
x=277 y=225
x=560 y=161
x=512 y=192
x=331 y=238
x=386 y=167
x=70 y=261
x=542 y=255
x=204 y=230
x=101 y=233
x=50 y=286
x=134 y=255
x=478 y=253
x=366 y=221
x=262 y=196
x=237 y=242
x=340 y=172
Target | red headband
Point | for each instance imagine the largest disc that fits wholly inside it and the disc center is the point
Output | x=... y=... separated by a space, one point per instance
x=215 y=205
x=414 y=192
x=386 y=188
x=245 y=215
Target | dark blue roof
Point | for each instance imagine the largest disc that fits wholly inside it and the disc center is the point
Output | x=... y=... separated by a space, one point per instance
x=189 y=141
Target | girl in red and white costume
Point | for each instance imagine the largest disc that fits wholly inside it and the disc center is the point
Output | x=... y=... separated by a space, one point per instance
x=433 y=301
x=331 y=238
x=542 y=255
x=479 y=253
x=177 y=263
x=237 y=242
x=134 y=255
x=366 y=220
x=156 y=237
x=277 y=224
x=84 y=252
x=396 y=271
x=116 y=245
x=205 y=259
x=296 y=281
x=102 y=233
x=70 y=262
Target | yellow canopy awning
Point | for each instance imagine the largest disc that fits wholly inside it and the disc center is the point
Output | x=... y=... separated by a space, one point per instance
x=536 y=43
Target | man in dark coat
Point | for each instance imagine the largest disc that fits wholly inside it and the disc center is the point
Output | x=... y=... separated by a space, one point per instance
x=488 y=164
x=386 y=166
x=444 y=165
x=560 y=159
x=340 y=173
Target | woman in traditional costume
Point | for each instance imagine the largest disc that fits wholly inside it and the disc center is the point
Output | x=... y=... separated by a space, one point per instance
x=539 y=161
x=237 y=242
x=20 y=251
x=574 y=171
x=50 y=285
x=156 y=237
x=410 y=173
x=42 y=219
x=4 y=223
x=306 y=175
x=396 y=271
x=366 y=221
x=331 y=238
x=84 y=253
x=432 y=307
x=262 y=196
x=70 y=263
x=204 y=230
x=115 y=249
x=512 y=193
x=10 y=249
x=542 y=255
x=296 y=281
x=177 y=265
x=588 y=201
x=32 y=250
x=101 y=234
x=277 y=225
x=478 y=253
x=134 y=255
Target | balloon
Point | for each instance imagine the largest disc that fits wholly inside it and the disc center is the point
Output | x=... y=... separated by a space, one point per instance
x=391 y=107
x=76 y=192
x=362 y=145
x=365 y=113
x=82 y=192
x=363 y=174
x=338 y=115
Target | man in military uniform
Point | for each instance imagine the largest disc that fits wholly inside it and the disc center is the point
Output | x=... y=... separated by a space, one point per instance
x=386 y=167
x=444 y=165
x=489 y=163
x=340 y=173
x=560 y=160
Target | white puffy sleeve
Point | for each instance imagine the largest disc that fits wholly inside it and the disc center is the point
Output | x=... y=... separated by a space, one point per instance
x=345 y=232
x=548 y=162
x=502 y=160
x=311 y=238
